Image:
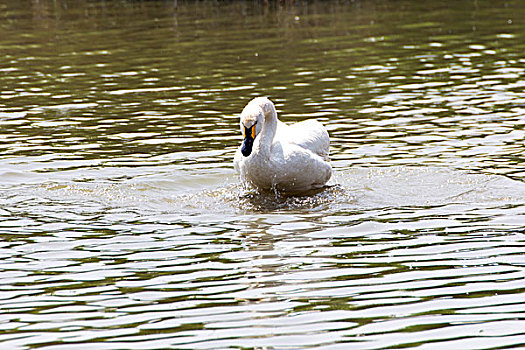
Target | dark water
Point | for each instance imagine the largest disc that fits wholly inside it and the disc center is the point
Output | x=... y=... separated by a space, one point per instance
x=123 y=224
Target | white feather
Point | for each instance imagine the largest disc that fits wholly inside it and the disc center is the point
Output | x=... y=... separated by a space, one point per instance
x=290 y=158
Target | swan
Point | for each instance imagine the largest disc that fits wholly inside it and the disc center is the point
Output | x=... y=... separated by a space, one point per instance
x=280 y=157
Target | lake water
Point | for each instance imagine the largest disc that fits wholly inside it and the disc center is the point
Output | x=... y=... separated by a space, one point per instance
x=123 y=224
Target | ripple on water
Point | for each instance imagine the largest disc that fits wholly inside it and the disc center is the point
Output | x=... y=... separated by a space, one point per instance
x=123 y=224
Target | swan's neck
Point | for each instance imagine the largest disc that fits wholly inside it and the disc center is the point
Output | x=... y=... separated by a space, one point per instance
x=269 y=128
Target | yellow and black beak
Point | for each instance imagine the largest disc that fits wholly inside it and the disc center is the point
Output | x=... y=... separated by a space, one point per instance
x=247 y=143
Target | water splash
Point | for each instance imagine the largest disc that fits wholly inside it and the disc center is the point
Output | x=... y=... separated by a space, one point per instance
x=353 y=188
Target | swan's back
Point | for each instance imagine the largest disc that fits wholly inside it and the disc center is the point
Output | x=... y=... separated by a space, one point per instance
x=308 y=134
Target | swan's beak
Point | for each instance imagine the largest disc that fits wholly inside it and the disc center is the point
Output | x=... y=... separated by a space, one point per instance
x=247 y=143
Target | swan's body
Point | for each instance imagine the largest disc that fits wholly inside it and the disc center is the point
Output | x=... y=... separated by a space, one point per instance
x=277 y=156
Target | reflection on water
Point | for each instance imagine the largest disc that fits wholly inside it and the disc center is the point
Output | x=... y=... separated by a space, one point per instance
x=124 y=225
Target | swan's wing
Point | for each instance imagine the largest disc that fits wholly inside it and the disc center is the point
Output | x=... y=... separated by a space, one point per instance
x=299 y=169
x=309 y=134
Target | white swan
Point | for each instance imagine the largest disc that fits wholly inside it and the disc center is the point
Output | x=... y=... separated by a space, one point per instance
x=276 y=156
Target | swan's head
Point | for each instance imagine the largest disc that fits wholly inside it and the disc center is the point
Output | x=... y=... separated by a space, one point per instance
x=252 y=118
